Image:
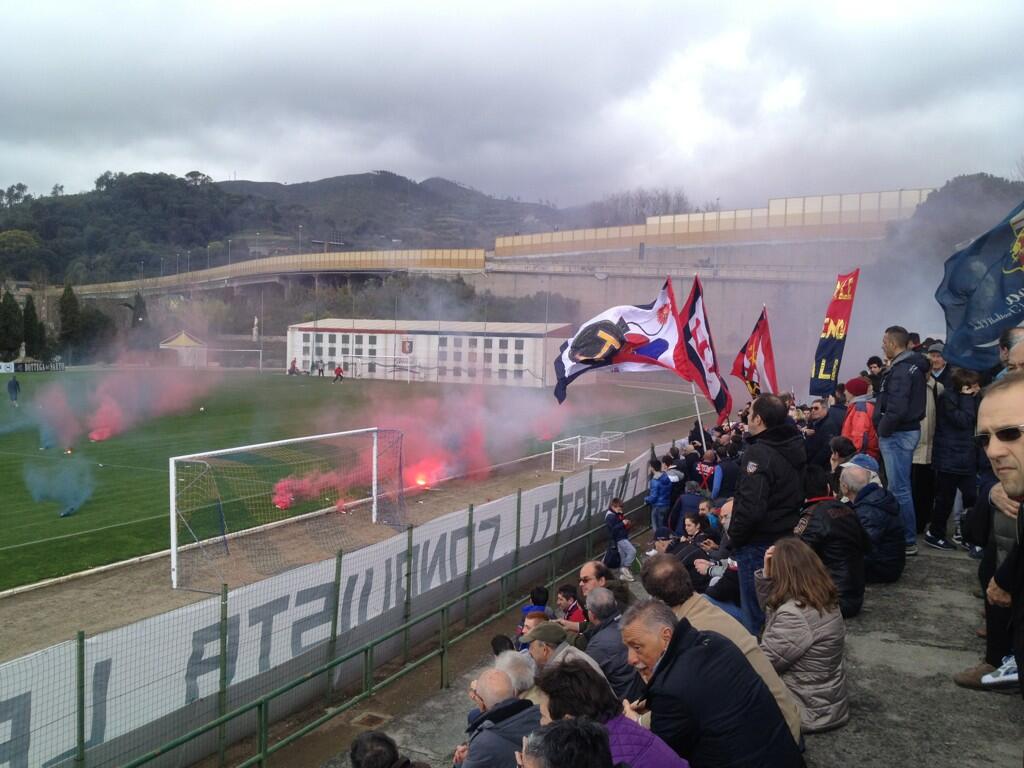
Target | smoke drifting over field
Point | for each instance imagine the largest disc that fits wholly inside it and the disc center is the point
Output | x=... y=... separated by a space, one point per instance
x=70 y=483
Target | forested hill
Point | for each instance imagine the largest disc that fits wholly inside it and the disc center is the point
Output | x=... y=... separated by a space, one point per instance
x=385 y=210
x=157 y=222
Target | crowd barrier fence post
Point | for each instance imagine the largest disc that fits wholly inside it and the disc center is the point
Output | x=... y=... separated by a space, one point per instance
x=469 y=565
x=407 y=613
x=222 y=692
x=332 y=642
x=80 y=699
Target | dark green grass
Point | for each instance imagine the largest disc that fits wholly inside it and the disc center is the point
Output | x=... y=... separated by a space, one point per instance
x=127 y=514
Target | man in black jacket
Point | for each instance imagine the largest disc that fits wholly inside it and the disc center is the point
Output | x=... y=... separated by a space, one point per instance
x=606 y=648
x=769 y=496
x=1000 y=417
x=705 y=699
x=899 y=408
x=832 y=529
x=819 y=431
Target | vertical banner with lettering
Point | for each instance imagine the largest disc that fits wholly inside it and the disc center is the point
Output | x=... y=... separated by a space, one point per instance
x=829 y=354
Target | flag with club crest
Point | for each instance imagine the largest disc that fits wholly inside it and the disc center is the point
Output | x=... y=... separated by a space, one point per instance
x=631 y=338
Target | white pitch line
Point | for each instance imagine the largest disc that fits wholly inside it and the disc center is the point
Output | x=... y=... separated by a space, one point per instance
x=655 y=389
x=83 y=533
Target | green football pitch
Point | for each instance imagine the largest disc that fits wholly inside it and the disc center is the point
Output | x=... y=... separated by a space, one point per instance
x=127 y=512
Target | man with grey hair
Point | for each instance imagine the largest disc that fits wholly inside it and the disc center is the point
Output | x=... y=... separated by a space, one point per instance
x=605 y=646
x=706 y=701
x=879 y=515
x=500 y=727
x=549 y=645
x=520 y=669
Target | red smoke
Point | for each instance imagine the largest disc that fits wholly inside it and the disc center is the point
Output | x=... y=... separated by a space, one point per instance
x=290 y=490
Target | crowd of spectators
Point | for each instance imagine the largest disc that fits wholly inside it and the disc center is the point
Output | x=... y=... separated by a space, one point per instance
x=765 y=533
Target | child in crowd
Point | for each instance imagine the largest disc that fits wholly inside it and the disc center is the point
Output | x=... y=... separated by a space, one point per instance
x=618 y=531
x=538 y=604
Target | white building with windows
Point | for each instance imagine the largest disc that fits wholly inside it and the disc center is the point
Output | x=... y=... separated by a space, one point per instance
x=520 y=354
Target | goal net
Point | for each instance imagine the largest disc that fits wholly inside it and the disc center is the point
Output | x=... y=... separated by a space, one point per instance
x=570 y=452
x=241 y=514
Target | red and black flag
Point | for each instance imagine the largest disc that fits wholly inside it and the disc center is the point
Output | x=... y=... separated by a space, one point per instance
x=829 y=354
x=755 y=364
x=698 y=361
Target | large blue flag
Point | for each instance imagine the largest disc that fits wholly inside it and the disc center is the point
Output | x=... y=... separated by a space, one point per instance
x=982 y=293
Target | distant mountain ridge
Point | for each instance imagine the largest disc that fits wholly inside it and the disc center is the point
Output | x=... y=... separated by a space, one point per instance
x=383 y=209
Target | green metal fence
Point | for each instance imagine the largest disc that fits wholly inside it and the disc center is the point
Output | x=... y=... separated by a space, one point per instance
x=507 y=583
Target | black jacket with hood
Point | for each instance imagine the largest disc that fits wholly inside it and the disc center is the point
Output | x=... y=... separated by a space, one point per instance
x=900 y=401
x=770 y=490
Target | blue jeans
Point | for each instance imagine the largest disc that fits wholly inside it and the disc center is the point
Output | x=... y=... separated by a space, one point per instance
x=749 y=559
x=658 y=517
x=898 y=455
x=627 y=552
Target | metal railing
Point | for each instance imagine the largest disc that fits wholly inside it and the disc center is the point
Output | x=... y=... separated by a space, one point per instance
x=443 y=613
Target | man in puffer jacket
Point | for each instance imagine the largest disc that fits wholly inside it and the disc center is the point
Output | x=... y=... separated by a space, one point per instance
x=879 y=514
x=496 y=735
x=769 y=495
x=659 y=494
x=899 y=409
x=833 y=530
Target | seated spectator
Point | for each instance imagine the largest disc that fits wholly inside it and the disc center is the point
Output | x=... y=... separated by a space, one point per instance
x=666 y=580
x=706 y=701
x=573 y=690
x=531 y=621
x=706 y=510
x=568 y=603
x=695 y=528
x=549 y=646
x=503 y=722
x=833 y=530
x=568 y=744
x=373 y=749
x=606 y=648
x=597 y=574
x=804 y=632
x=879 y=515
x=842 y=451
x=501 y=643
x=718 y=566
x=520 y=670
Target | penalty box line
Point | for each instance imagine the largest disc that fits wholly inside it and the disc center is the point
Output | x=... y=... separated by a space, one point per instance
x=82 y=533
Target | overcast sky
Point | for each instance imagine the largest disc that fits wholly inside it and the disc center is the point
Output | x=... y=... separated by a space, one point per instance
x=562 y=101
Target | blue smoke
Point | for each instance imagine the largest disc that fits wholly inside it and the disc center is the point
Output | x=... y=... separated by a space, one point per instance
x=68 y=482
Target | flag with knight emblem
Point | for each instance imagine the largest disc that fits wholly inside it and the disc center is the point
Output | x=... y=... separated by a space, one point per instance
x=699 y=363
x=982 y=293
x=755 y=364
x=631 y=338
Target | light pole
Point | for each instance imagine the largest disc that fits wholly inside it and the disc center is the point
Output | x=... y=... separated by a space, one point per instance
x=188 y=260
x=177 y=262
x=161 y=266
x=300 y=238
x=259 y=254
x=207 y=255
x=229 y=252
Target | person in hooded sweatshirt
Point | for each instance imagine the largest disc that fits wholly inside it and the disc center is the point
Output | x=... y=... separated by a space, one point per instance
x=879 y=514
x=769 y=495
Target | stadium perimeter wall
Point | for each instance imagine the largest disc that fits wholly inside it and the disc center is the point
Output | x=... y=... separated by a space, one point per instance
x=147 y=683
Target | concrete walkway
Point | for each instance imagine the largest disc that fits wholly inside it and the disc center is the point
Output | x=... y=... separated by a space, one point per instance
x=901 y=651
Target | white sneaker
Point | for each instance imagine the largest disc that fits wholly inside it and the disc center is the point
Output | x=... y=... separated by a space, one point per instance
x=627 y=575
x=652 y=552
x=1003 y=677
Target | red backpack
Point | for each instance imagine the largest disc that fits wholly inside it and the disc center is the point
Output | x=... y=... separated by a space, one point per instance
x=859 y=426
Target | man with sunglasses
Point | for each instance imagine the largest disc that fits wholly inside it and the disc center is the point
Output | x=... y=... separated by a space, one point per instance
x=1000 y=425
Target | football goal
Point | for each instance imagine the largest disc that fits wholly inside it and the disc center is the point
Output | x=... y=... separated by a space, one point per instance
x=257 y=508
x=570 y=452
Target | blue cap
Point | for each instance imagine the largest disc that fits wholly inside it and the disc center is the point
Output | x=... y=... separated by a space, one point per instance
x=863 y=461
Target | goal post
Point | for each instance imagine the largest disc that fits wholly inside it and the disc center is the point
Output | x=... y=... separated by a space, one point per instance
x=221 y=495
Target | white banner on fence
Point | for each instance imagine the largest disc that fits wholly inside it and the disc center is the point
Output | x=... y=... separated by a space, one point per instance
x=147 y=670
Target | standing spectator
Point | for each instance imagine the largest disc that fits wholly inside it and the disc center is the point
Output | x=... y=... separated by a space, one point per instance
x=859 y=425
x=706 y=701
x=618 y=533
x=573 y=690
x=699 y=437
x=728 y=473
x=503 y=722
x=875 y=372
x=13 y=390
x=999 y=433
x=1008 y=341
x=833 y=530
x=659 y=494
x=954 y=457
x=666 y=579
x=804 y=633
x=769 y=496
x=568 y=604
x=819 y=431
x=922 y=474
x=706 y=469
x=606 y=648
x=939 y=371
x=879 y=515
x=900 y=407
x=688 y=502
x=373 y=749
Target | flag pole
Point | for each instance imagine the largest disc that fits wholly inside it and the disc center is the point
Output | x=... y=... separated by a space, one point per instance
x=700 y=421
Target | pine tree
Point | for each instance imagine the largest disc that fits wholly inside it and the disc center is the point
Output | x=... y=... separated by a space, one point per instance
x=70 y=319
x=34 y=333
x=11 y=328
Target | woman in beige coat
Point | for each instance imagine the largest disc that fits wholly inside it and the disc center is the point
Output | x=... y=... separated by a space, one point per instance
x=804 y=633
